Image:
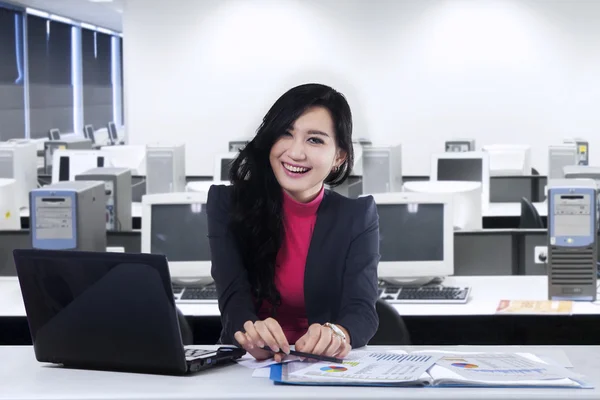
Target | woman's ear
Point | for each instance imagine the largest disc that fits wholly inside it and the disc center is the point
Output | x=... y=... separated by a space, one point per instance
x=340 y=158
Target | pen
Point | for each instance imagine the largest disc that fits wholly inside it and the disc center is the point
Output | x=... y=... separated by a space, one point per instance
x=309 y=355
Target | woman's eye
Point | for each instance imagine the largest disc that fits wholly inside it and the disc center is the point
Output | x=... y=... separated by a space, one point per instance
x=316 y=140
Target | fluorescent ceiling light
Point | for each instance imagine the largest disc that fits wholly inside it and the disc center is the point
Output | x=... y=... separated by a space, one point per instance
x=39 y=13
x=61 y=19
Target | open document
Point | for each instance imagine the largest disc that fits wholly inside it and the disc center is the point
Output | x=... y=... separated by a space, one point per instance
x=424 y=368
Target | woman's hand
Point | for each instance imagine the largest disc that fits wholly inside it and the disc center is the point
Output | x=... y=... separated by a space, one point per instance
x=321 y=340
x=260 y=334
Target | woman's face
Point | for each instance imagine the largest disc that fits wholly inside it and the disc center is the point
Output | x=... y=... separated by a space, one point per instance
x=306 y=154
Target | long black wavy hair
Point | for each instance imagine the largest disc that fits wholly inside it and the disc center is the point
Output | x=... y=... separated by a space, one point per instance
x=256 y=212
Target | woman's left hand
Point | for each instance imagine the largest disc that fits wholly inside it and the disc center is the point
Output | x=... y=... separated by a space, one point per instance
x=321 y=340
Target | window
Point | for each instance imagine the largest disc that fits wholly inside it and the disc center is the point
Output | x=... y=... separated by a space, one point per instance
x=96 y=52
x=50 y=88
x=12 y=75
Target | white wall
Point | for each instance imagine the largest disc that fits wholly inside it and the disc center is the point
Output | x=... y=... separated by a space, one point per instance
x=417 y=72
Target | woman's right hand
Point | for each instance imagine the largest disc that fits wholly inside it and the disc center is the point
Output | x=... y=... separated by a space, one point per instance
x=260 y=334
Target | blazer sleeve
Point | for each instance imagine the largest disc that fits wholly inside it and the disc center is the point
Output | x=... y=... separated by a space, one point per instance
x=360 y=283
x=233 y=287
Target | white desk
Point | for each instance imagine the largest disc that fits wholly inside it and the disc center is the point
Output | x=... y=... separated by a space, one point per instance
x=511 y=209
x=23 y=377
x=136 y=211
x=486 y=293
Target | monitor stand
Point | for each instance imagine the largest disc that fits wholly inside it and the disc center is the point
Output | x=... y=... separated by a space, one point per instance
x=416 y=281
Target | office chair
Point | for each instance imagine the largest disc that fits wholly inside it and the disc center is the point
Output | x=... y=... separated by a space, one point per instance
x=391 y=330
x=530 y=218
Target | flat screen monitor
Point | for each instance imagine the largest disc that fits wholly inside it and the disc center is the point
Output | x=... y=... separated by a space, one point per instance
x=416 y=236
x=175 y=224
x=112 y=132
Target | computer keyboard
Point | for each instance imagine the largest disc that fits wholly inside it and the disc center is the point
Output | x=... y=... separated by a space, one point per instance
x=425 y=294
x=195 y=294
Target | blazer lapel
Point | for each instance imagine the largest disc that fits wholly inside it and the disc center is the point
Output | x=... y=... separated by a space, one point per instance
x=313 y=271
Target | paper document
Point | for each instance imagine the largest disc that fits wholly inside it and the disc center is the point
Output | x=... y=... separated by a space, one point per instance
x=547 y=307
x=435 y=368
x=499 y=369
x=364 y=366
x=250 y=362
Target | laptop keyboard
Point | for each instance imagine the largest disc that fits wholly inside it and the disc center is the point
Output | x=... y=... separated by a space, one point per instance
x=192 y=354
x=425 y=294
x=192 y=294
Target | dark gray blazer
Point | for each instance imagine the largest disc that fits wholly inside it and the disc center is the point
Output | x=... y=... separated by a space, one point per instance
x=340 y=281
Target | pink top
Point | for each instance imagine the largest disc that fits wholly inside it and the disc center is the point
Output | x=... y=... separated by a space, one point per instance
x=299 y=222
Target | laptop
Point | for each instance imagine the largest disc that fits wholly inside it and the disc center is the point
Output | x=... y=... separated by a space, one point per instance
x=107 y=311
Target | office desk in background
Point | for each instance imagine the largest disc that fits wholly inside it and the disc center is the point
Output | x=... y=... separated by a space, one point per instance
x=428 y=324
x=25 y=378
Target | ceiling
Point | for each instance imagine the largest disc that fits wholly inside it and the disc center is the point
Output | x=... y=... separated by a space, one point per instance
x=104 y=14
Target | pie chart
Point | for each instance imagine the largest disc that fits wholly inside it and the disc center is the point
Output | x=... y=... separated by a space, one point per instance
x=464 y=365
x=333 y=368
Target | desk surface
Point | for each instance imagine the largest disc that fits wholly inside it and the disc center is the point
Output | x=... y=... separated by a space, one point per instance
x=486 y=293
x=23 y=377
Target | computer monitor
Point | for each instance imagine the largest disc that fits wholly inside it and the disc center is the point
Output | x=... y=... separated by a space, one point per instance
x=560 y=156
x=66 y=164
x=223 y=165
x=237 y=145
x=468 y=214
x=10 y=218
x=382 y=169
x=203 y=186
x=54 y=134
x=113 y=137
x=582 y=172
x=127 y=156
x=416 y=236
x=460 y=145
x=473 y=166
x=509 y=159
x=88 y=133
x=175 y=224
x=357 y=168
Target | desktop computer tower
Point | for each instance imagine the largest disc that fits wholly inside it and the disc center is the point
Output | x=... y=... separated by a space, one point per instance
x=382 y=169
x=69 y=216
x=10 y=218
x=460 y=145
x=165 y=169
x=67 y=144
x=572 y=240
x=117 y=185
x=582 y=148
x=560 y=156
x=18 y=161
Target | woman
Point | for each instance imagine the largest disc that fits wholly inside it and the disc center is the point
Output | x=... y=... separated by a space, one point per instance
x=294 y=263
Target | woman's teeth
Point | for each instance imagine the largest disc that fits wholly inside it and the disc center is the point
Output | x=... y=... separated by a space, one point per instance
x=295 y=169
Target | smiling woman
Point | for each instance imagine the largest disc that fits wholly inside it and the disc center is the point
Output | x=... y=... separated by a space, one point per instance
x=294 y=263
